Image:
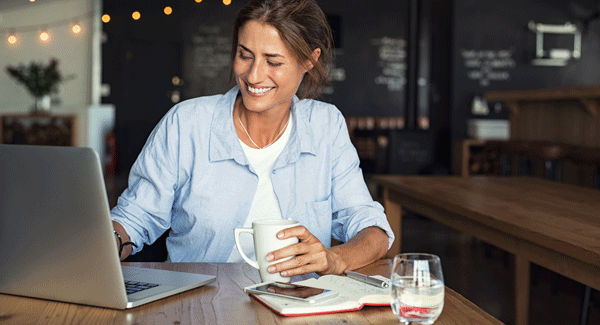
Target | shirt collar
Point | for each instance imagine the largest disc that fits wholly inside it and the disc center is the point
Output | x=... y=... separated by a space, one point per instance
x=224 y=143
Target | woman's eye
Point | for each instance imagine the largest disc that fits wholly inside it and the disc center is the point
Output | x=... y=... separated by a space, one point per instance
x=244 y=57
x=273 y=64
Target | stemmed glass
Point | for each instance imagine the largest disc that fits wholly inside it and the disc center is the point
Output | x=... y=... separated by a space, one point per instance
x=417 y=288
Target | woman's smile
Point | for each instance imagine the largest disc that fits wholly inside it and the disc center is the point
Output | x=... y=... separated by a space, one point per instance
x=258 y=91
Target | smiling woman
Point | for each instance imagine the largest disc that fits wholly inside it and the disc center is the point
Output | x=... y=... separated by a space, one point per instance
x=264 y=150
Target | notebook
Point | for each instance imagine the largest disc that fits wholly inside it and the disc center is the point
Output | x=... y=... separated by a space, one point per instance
x=56 y=236
x=353 y=295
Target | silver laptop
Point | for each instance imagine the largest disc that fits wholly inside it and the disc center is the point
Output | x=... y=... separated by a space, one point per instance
x=56 y=236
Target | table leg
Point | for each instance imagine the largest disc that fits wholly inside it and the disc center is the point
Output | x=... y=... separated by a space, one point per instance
x=522 y=287
x=393 y=211
x=464 y=257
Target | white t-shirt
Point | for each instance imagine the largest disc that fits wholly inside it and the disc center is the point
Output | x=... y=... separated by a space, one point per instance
x=265 y=204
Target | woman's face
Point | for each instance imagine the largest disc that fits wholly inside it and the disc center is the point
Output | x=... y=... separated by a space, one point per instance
x=265 y=69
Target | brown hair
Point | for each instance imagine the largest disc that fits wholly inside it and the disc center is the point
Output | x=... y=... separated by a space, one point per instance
x=302 y=26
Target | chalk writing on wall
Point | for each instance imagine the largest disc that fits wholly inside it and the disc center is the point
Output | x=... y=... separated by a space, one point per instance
x=412 y=151
x=211 y=51
x=336 y=74
x=488 y=65
x=392 y=62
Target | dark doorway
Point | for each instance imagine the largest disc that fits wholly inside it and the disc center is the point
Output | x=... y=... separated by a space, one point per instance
x=151 y=86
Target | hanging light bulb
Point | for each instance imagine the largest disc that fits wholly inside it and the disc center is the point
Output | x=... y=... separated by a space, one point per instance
x=44 y=36
x=168 y=10
x=227 y=2
x=12 y=38
x=105 y=18
x=198 y=1
x=76 y=28
x=136 y=15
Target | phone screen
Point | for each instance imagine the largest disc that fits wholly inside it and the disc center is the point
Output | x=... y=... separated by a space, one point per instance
x=290 y=290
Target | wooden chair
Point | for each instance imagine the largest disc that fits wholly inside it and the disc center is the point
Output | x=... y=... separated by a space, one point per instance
x=552 y=154
x=587 y=156
x=517 y=157
x=511 y=154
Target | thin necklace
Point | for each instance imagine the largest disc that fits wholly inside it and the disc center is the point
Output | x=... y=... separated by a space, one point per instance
x=268 y=144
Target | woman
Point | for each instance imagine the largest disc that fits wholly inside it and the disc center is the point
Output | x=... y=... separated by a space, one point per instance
x=258 y=152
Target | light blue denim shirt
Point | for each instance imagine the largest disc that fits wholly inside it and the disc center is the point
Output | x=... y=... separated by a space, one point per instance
x=192 y=176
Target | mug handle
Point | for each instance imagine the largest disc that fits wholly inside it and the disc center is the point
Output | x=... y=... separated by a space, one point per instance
x=236 y=233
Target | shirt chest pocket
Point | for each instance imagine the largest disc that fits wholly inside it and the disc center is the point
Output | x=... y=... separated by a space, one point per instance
x=316 y=216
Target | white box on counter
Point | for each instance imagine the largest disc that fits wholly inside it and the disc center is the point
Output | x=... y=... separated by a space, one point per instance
x=488 y=129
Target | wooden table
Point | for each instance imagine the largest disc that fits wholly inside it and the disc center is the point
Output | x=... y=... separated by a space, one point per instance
x=222 y=302
x=551 y=224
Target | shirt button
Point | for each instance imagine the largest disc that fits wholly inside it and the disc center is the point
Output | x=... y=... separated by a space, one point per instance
x=274 y=172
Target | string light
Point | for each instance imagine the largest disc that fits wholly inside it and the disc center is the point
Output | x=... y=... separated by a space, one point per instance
x=12 y=38
x=176 y=81
x=76 y=28
x=43 y=32
x=44 y=36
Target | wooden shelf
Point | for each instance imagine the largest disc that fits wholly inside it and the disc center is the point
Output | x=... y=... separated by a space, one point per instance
x=53 y=130
x=588 y=97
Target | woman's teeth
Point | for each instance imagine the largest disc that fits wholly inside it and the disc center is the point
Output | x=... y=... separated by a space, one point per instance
x=258 y=91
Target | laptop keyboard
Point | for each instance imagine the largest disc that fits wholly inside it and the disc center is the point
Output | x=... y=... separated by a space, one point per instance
x=134 y=286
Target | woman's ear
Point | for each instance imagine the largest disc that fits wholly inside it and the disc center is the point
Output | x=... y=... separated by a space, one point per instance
x=315 y=55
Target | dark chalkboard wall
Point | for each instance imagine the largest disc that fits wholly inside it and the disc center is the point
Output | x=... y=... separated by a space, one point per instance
x=369 y=76
x=206 y=34
x=493 y=48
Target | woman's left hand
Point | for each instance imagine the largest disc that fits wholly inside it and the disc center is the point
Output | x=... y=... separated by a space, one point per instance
x=310 y=255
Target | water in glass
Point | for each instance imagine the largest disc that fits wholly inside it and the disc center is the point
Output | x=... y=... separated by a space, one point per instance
x=417 y=288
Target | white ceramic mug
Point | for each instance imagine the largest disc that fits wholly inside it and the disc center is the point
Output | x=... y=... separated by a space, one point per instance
x=266 y=241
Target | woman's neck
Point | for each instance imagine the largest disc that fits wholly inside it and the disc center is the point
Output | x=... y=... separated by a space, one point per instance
x=259 y=129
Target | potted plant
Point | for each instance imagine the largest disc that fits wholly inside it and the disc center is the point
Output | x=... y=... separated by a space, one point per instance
x=40 y=80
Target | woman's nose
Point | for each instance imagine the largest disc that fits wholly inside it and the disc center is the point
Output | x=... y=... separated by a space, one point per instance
x=256 y=73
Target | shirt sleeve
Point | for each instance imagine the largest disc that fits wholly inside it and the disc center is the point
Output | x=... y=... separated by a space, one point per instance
x=353 y=207
x=144 y=208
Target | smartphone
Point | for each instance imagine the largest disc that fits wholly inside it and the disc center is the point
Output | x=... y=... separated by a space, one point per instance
x=293 y=291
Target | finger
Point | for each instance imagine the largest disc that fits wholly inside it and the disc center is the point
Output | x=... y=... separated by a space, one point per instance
x=303 y=247
x=301 y=264
x=305 y=269
x=291 y=250
x=299 y=231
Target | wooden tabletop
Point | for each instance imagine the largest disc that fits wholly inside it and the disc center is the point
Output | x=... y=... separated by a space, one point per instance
x=221 y=302
x=562 y=217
